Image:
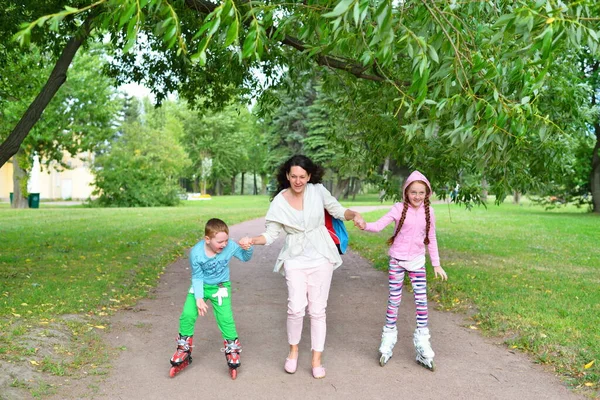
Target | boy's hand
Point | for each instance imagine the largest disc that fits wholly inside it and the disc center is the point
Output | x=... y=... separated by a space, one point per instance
x=202 y=307
x=245 y=243
x=439 y=271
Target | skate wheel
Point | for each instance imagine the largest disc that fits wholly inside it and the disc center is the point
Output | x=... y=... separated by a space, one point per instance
x=172 y=372
x=382 y=361
x=233 y=373
x=432 y=368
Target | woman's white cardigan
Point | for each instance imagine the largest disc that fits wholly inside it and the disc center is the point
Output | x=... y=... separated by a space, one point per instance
x=280 y=217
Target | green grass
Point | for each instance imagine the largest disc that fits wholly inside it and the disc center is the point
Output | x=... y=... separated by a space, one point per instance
x=78 y=260
x=528 y=275
x=64 y=270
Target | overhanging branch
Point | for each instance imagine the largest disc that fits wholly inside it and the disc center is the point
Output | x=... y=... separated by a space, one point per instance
x=57 y=77
x=350 y=66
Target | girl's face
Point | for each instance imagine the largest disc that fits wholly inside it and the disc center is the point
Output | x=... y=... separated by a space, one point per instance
x=416 y=193
x=298 y=178
x=217 y=243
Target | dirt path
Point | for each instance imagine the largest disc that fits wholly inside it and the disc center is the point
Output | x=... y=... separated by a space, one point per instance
x=468 y=366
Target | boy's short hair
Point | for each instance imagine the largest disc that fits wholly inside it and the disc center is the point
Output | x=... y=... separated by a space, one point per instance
x=214 y=226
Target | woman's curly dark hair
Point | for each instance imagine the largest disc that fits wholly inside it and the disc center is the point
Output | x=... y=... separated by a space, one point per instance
x=316 y=172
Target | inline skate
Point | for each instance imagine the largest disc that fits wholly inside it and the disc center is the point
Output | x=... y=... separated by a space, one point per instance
x=183 y=355
x=389 y=336
x=232 y=351
x=423 y=348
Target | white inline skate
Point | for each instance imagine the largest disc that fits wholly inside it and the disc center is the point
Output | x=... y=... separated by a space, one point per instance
x=389 y=336
x=423 y=348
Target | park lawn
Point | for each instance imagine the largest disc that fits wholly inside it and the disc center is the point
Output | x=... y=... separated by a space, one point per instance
x=527 y=275
x=64 y=270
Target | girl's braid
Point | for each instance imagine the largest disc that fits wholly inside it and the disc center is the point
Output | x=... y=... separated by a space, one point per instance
x=427 y=223
x=402 y=218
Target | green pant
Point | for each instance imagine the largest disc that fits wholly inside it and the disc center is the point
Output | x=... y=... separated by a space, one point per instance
x=223 y=312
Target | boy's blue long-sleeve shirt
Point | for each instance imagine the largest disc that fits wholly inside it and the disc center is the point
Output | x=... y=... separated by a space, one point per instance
x=213 y=270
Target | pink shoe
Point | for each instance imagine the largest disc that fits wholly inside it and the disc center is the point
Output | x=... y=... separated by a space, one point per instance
x=290 y=366
x=318 y=372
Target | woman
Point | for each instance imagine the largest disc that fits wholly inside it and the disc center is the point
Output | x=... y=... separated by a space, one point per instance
x=309 y=255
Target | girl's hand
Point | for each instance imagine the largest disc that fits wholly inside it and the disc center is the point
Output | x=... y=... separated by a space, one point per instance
x=359 y=221
x=202 y=307
x=439 y=272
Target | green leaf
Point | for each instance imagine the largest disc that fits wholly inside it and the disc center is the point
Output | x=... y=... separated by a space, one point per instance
x=199 y=57
x=232 y=32
x=126 y=16
x=339 y=9
x=131 y=30
x=504 y=20
x=433 y=54
x=215 y=25
x=248 y=47
x=547 y=43
x=336 y=23
x=356 y=13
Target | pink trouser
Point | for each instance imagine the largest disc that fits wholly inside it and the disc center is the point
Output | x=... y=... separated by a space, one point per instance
x=308 y=287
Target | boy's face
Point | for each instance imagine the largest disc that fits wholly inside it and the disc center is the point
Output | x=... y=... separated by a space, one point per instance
x=218 y=242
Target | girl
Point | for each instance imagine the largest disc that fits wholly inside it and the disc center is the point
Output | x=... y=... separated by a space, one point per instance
x=415 y=229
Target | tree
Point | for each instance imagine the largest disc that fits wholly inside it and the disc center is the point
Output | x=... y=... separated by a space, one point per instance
x=135 y=171
x=474 y=68
x=592 y=71
x=221 y=136
x=77 y=120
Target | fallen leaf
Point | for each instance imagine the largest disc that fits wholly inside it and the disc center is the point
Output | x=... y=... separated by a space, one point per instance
x=589 y=365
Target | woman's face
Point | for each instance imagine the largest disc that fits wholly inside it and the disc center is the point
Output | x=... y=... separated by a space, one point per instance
x=298 y=178
x=416 y=192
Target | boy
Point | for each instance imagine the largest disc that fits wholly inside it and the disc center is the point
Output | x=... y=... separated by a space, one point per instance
x=209 y=260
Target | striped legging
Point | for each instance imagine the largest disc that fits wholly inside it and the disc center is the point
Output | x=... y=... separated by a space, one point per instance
x=419 y=284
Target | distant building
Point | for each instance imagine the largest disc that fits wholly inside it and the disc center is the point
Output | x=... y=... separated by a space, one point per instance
x=54 y=183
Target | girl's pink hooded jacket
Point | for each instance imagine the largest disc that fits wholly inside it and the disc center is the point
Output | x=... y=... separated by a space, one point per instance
x=408 y=244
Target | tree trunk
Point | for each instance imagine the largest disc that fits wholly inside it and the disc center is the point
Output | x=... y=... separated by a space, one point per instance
x=57 y=77
x=263 y=180
x=340 y=188
x=255 y=191
x=233 y=185
x=19 y=199
x=348 y=188
x=516 y=197
x=595 y=174
x=386 y=168
x=242 y=187
x=355 y=188
x=484 y=190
